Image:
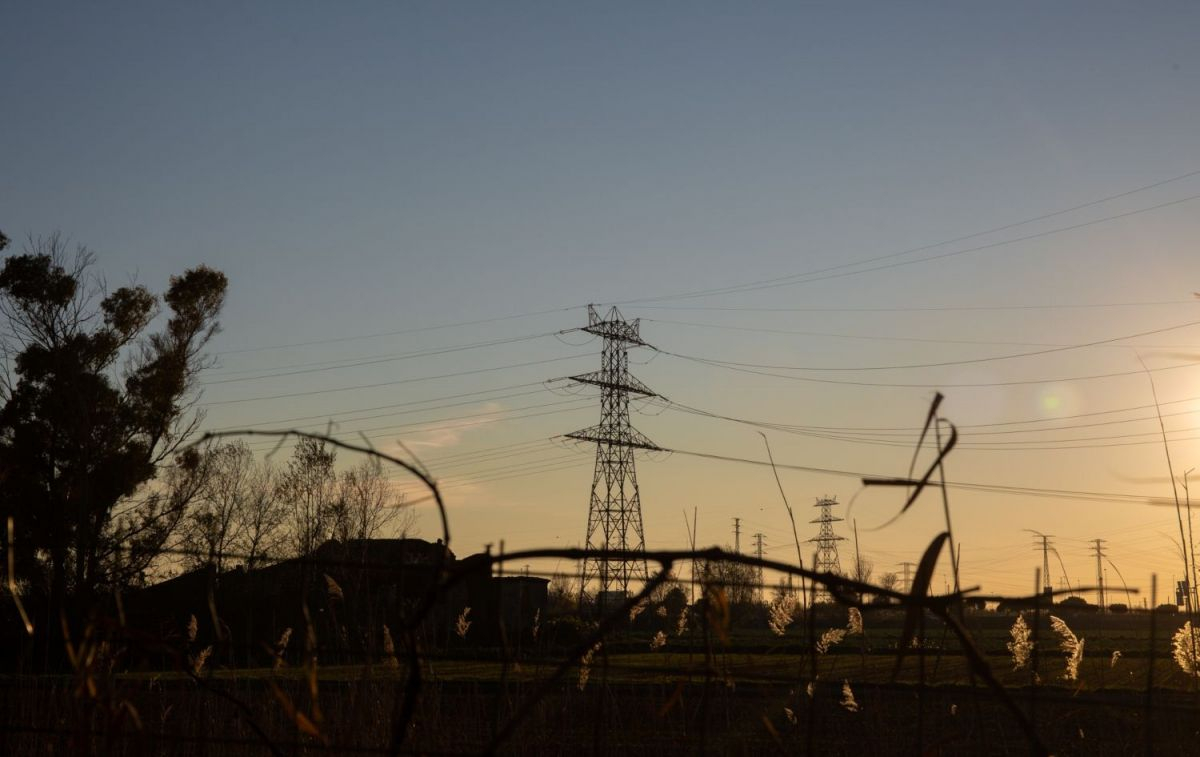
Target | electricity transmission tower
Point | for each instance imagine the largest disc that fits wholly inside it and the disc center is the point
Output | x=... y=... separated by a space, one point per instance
x=615 y=510
x=737 y=535
x=826 y=540
x=1045 y=546
x=758 y=551
x=907 y=579
x=1099 y=572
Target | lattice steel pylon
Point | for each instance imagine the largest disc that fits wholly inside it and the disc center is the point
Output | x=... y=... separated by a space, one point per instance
x=826 y=540
x=615 y=510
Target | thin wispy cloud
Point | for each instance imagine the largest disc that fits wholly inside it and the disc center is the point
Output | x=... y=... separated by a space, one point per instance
x=443 y=437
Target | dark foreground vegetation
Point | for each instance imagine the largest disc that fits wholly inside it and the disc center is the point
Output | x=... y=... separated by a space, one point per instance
x=745 y=693
x=250 y=715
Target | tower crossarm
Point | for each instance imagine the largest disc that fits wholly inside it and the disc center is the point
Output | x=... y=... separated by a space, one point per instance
x=604 y=380
x=617 y=437
x=613 y=327
x=617 y=332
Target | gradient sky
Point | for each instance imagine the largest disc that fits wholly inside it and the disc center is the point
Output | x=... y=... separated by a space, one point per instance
x=369 y=175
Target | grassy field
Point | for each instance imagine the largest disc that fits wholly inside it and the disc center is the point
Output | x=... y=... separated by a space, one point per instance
x=634 y=704
x=752 y=692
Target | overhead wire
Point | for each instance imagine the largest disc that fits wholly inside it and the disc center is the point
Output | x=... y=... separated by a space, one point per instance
x=1121 y=498
x=1021 y=446
x=922 y=340
x=345 y=417
x=728 y=365
x=425 y=427
x=455 y=374
x=341 y=427
x=839 y=271
x=962 y=427
x=507 y=468
x=941 y=364
x=374 y=360
x=913 y=309
x=468 y=481
x=542 y=440
x=397 y=332
x=438 y=466
x=965 y=442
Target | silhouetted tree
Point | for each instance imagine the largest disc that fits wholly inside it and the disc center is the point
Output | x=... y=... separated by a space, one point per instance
x=367 y=505
x=213 y=523
x=738 y=582
x=92 y=406
x=562 y=594
x=308 y=489
x=236 y=515
x=889 y=581
x=863 y=569
x=262 y=516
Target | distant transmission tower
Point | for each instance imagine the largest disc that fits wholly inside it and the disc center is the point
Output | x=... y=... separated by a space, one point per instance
x=615 y=511
x=826 y=540
x=1099 y=547
x=758 y=552
x=1046 y=547
x=907 y=579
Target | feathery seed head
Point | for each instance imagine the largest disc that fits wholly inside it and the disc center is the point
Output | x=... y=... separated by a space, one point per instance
x=1021 y=646
x=855 y=624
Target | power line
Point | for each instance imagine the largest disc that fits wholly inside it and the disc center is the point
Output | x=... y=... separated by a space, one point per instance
x=1107 y=437
x=470 y=467
x=398 y=332
x=488 y=450
x=909 y=434
x=941 y=385
x=910 y=309
x=947 y=363
x=1076 y=446
x=1067 y=427
x=1024 y=444
x=509 y=467
x=816 y=274
x=981 y=487
x=397 y=382
x=377 y=360
x=917 y=339
x=905 y=438
x=458 y=482
x=993 y=444
x=341 y=417
x=909 y=431
x=440 y=465
x=424 y=427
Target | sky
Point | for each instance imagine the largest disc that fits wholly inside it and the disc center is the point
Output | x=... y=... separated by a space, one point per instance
x=414 y=203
